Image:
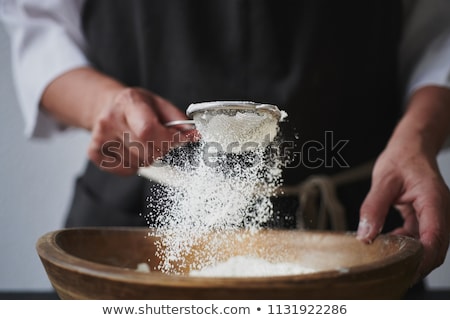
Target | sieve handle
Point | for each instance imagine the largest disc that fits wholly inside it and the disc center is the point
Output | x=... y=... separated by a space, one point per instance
x=180 y=123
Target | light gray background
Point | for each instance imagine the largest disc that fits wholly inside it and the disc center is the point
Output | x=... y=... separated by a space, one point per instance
x=36 y=188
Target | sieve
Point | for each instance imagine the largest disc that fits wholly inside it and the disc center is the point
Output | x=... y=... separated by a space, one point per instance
x=233 y=123
x=225 y=126
x=226 y=107
x=232 y=107
x=176 y=123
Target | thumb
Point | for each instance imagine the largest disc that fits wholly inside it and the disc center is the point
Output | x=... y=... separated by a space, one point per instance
x=165 y=110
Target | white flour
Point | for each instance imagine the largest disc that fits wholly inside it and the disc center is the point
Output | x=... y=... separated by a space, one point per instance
x=244 y=266
x=237 y=132
x=223 y=191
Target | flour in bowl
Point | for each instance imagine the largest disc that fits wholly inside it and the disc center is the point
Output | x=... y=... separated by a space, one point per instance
x=244 y=266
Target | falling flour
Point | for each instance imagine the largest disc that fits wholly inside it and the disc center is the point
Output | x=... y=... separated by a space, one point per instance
x=222 y=191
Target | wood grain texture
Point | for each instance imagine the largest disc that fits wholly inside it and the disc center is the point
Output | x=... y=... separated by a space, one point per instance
x=100 y=263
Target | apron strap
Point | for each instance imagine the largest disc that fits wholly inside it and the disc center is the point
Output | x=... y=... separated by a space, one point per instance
x=319 y=204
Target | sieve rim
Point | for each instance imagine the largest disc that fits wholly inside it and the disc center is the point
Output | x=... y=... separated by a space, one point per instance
x=233 y=105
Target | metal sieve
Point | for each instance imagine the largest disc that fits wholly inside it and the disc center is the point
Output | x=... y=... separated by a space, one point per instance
x=233 y=122
x=226 y=107
x=230 y=107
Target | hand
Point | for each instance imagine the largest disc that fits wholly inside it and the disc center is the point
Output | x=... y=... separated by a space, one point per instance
x=129 y=132
x=415 y=187
x=127 y=124
x=406 y=176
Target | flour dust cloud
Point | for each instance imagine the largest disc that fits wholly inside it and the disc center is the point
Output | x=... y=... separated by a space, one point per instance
x=227 y=179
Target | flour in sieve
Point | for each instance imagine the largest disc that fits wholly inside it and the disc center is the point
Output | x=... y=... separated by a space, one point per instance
x=237 y=131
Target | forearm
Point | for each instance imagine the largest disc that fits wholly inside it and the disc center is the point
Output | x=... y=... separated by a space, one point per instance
x=406 y=176
x=77 y=97
x=118 y=117
x=426 y=123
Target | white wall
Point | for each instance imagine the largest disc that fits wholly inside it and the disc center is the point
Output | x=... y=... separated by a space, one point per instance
x=36 y=186
x=440 y=278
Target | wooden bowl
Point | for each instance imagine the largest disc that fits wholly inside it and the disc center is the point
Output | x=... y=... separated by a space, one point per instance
x=100 y=263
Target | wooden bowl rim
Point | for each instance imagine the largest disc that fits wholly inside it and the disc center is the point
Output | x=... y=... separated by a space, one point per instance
x=48 y=250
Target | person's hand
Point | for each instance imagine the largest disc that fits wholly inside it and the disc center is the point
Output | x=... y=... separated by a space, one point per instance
x=130 y=133
x=127 y=124
x=406 y=176
x=415 y=187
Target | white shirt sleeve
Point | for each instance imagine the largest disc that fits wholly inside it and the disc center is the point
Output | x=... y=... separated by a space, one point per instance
x=425 y=48
x=46 y=41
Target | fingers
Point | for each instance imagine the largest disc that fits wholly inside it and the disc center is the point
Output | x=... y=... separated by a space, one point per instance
x=382 y=194
x=146 y=116
x=165 y=111
x=433 y=218
x=410 y=225
x=419 y=193
x=130 y=133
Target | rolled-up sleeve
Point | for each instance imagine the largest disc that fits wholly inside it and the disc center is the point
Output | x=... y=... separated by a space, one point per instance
x=46 y=41
x=425 y=48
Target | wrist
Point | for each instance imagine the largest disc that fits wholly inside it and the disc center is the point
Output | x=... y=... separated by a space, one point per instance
x=99 y=97
x=425 y=124
x=103 y=103
x=78 y=97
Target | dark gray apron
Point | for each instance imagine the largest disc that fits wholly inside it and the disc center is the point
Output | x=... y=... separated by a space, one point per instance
x=332 y=65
